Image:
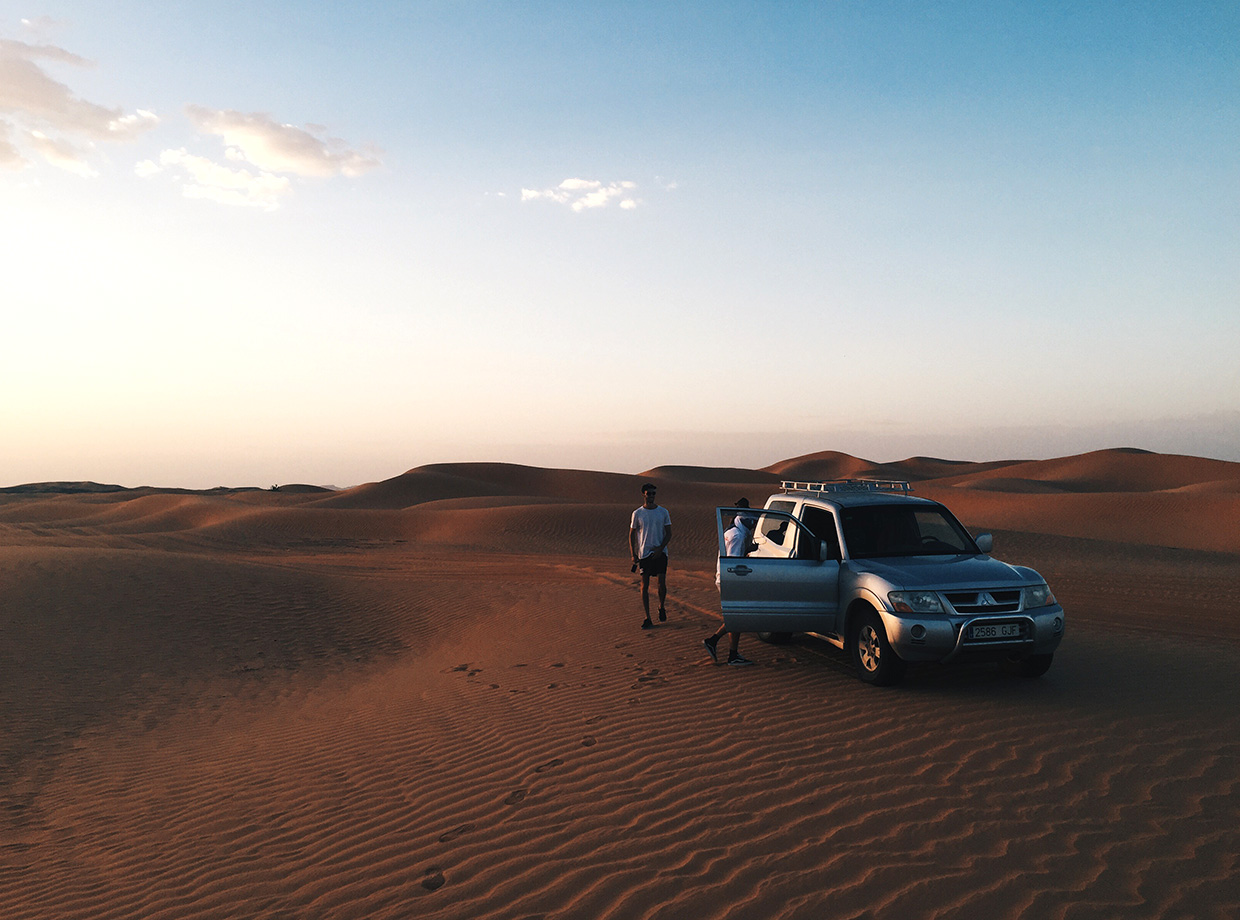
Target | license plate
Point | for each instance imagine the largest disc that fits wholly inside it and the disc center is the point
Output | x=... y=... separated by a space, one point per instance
x=995 y=631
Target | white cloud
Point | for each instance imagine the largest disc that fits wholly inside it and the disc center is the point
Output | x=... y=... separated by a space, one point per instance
x=207 y=180
x=56 y=123
x=41 y=117
x=574 y=185
x=131 y=125
x=586 y=194
x=62 y=154
x=280 y=148
x=31 y=99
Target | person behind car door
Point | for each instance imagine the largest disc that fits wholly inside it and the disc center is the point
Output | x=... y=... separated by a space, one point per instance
x=737 y=541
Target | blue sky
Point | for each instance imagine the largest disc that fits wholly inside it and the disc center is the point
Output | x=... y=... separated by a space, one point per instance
x=276 y=242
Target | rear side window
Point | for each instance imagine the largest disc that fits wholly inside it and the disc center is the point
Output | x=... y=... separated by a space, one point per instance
x=877 y=531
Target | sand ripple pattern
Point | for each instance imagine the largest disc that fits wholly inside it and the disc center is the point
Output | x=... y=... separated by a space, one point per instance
x=509 y=744
x=415 y=702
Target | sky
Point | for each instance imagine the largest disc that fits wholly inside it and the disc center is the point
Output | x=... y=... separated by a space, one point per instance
x=257 y=243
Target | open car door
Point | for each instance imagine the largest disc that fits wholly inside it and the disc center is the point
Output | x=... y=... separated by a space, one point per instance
x=783 y=580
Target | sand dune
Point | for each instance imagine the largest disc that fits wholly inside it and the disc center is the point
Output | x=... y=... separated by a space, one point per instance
x=428 y=697
x=835 y=465
x=711 y=474
x=464 y=480
x=1116 y=471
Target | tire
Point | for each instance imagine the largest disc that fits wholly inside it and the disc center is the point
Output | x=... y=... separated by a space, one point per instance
x=873 y=657
x=1033 y=665
x=775 y=638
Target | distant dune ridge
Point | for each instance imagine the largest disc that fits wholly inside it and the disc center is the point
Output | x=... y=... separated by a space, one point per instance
x=429 y=697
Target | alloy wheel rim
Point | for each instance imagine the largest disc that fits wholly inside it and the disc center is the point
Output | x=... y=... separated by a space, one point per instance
x=868 y=648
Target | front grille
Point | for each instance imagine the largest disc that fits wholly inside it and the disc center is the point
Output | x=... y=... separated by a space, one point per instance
x=984 y=601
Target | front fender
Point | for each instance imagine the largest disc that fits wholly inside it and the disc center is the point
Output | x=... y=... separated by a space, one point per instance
x=863 y=599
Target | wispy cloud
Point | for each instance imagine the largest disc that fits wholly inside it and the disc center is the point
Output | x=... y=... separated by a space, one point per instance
x=48 y=118
x=268 y=144
x=210 y=181
x=43 y=119
x=274 y=150
x=63 y=154
x=586 y=194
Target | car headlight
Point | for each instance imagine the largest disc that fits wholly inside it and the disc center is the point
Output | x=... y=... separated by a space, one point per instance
x=915 y=602
x=1038 y=596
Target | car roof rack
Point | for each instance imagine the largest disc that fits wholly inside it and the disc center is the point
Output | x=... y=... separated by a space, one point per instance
x=848 y=485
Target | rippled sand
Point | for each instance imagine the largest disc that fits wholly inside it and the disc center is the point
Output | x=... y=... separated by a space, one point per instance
x=430 y=697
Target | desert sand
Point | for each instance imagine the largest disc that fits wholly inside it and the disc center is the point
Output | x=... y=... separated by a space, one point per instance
x=429 y=697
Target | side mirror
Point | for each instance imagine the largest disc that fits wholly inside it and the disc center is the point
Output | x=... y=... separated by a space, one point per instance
x=824 y=552
x=985 y=542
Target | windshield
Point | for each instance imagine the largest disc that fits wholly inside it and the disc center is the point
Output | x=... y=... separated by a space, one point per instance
x=872 y=531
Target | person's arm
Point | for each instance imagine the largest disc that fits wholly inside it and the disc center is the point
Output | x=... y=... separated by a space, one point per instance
x=633 y=542
x=667 y=537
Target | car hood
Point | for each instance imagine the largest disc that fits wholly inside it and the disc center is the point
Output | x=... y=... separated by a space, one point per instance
x=942 y=573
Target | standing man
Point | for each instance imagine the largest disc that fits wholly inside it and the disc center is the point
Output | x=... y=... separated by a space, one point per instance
x=650 y=531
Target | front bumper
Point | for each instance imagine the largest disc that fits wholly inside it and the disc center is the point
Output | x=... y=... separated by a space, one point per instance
x=948 y=637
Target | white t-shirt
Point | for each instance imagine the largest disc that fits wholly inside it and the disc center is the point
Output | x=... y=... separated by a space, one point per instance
x=649 y=524
x=737 y=537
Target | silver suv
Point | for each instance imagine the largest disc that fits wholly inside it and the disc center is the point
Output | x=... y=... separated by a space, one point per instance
x=887 y=577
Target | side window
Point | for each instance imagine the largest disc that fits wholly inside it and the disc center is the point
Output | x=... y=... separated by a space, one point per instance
x=772 y=530
x=822 y=523
x=778 y=534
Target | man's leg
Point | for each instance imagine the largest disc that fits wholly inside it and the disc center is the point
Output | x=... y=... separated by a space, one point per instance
x=734 y=655
x=646 y=624
x=662 y=595
x=713 y=641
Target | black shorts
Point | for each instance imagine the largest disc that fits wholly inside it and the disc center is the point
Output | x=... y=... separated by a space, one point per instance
x=654 y=564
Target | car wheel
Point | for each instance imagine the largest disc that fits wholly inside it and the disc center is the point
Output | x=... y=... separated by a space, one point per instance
x=1033 y=665
x=874 y=658
x=775 y=638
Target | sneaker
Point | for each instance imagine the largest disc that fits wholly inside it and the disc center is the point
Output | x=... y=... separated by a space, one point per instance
x=711 y=650
x=646 y=624
x=738 y=659
x=662 y=615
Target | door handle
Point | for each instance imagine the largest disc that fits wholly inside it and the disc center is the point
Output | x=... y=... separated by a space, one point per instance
x=739 y=569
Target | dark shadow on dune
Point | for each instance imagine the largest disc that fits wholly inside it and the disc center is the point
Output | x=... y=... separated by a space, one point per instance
x=1110 y=673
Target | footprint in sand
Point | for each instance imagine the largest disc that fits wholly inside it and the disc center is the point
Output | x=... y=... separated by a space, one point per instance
x=588 y=741
x=542 y=768
x=449 y=836
x=433 y=879
x=516 y=797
